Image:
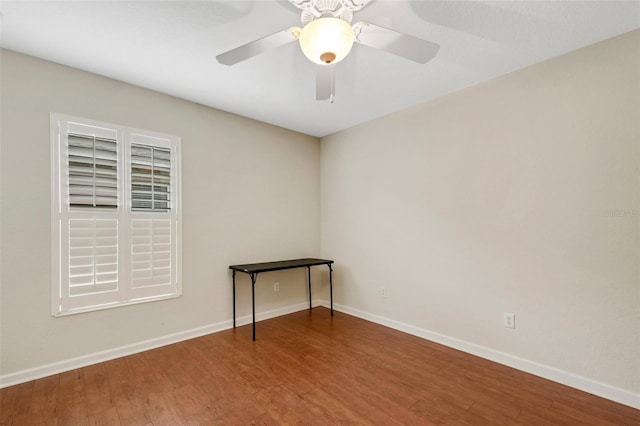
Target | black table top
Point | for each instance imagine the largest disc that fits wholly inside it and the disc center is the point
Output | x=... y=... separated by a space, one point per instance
x=252 y=268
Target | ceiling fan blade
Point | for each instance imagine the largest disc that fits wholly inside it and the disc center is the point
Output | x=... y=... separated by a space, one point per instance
x=391 y=41
x=325 y=82
x=259 y=46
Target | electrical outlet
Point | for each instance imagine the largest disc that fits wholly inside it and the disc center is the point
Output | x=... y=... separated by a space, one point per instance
x=509 y=320
x=383 y=292
x=276 y=286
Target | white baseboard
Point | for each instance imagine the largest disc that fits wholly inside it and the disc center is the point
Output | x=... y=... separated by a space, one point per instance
x=560 y=376
x=94 y=358
x=585 y=384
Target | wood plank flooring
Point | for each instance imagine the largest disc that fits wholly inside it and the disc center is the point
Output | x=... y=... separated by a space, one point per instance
x=305 y=368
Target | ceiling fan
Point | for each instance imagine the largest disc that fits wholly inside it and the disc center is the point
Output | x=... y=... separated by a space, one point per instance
x=326 y=38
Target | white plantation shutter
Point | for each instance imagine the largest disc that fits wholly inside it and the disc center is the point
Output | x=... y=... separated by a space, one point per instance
x=154 y=242
x=93 y=171
x=150 y=253
x=150 y=178
x=116 y=205
x=91 y=264
x=86 y=209
x=93 y=256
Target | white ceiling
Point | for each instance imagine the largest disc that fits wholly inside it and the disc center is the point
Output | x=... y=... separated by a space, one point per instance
x=170 y=47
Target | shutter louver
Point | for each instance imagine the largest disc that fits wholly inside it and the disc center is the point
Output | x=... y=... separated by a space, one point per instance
x=93 y=256
x=150 y=178
x=93 y=172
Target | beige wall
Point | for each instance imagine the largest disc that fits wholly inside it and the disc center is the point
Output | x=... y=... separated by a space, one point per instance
x=250 y=193
x=517 y=195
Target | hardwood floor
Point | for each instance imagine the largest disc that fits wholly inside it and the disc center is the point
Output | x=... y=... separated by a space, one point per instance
x=305 y=368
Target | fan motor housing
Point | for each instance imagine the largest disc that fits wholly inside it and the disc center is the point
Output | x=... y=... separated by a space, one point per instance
x=314 y=9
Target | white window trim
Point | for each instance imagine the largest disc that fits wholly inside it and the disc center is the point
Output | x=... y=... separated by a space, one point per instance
x=126 y=294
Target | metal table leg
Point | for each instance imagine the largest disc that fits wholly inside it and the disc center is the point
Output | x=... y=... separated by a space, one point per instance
x=309 y=279
x=234 y=298
x=253 y=302
x=331 y=287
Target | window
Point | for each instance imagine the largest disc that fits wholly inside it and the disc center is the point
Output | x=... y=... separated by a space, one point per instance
x=115 y=215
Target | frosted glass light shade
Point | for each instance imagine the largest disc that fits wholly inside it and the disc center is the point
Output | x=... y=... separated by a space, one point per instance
x=326 y=40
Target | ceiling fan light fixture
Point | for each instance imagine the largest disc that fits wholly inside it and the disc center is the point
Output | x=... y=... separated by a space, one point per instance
x=326 y=40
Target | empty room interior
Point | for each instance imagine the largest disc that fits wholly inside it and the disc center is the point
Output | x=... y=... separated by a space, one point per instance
x=212 y=213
